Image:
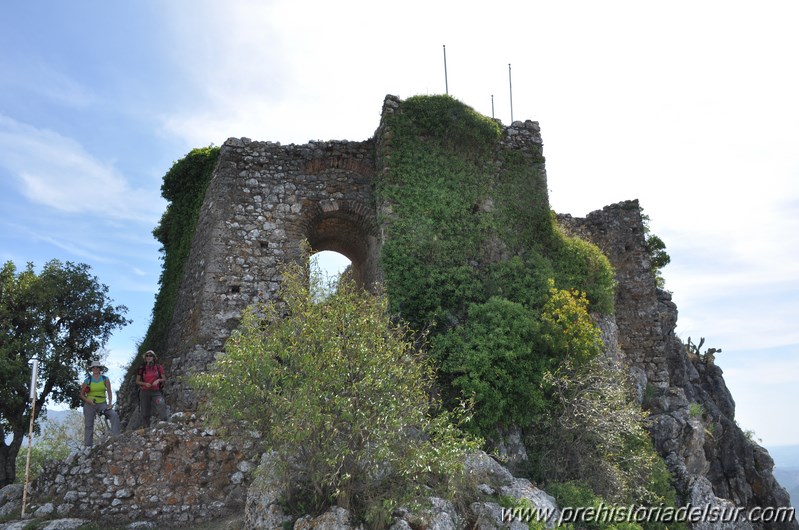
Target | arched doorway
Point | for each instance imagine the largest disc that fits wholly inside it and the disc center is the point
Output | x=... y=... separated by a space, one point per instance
x=347 y=230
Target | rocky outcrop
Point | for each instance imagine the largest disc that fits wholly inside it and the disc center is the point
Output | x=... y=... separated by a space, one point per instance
x=692 y=413
x=491 y=480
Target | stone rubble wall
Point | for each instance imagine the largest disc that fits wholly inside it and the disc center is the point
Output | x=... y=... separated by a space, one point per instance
x=175 y=473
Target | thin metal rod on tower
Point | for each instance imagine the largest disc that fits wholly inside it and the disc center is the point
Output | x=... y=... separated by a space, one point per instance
x=492 y=106
x=510 y=84
x=446 y=83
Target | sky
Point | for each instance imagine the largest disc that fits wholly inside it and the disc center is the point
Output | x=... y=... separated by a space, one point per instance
x=689 y=107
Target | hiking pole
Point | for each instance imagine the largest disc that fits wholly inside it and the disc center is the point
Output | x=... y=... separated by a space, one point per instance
x=34 y=374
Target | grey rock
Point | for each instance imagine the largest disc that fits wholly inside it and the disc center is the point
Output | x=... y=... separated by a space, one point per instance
x=11 y=492
x=334 y=519
x=65 y=524
x=10 y=508
x=262 y=509
x=490 y=516
x=485 y=470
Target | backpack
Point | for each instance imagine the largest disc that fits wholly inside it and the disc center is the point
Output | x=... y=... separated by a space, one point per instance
x=140 y=373
x=105 y=378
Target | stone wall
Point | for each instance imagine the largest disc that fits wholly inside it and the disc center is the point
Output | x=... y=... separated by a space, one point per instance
x=175 y=473
x=263 y=200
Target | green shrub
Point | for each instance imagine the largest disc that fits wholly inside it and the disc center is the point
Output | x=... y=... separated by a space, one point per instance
x=56 y=441
x=575 y=494
x=594 y=432
x=696 y=410
x=499 y=356
x=581 y=265
x=343 y=397
x=492 y=360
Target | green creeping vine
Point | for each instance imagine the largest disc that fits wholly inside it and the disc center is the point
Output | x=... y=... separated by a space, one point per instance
x=458 y=198
x=184 y=188
x=473 y=256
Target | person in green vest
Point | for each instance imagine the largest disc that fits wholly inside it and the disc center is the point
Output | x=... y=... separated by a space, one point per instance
x=97 y=399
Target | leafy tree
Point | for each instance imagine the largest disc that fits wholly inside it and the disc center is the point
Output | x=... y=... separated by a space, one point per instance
x=343 y=397
x=656 y=249
x=62 y=317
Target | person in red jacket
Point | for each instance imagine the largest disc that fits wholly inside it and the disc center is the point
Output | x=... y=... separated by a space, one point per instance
x=151 y=378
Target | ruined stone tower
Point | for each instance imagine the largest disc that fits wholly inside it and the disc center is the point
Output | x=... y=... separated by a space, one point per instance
x=263 y=200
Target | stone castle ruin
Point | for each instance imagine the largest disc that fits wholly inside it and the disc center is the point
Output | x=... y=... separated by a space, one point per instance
x=264 y=199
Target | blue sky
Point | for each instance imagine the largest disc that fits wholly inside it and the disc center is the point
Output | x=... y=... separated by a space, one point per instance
x=689 y=107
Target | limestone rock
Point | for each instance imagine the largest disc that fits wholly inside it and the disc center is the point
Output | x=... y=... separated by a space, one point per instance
x=262 y=509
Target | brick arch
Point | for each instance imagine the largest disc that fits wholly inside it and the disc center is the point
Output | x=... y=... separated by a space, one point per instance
x=346 y=227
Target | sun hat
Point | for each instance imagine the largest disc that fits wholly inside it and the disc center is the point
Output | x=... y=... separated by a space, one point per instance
x=151 y=352
x=97 y=364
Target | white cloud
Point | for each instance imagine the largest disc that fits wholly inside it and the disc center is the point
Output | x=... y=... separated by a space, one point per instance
x=57 y=172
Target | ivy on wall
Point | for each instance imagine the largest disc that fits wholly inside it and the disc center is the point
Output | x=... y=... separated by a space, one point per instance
x=184 y=188
x=473 y=255
x=457 y=195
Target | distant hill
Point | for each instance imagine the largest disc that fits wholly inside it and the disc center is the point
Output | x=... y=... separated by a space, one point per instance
x=53 y=417
x=785 y=455
x=786 y=468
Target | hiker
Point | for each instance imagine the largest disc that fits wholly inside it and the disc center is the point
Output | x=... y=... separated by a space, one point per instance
x=97 y=399
x=151 y=378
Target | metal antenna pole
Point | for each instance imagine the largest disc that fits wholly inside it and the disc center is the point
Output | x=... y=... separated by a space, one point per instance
x=510 y=84
x=446 y=83
x=492 y=106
